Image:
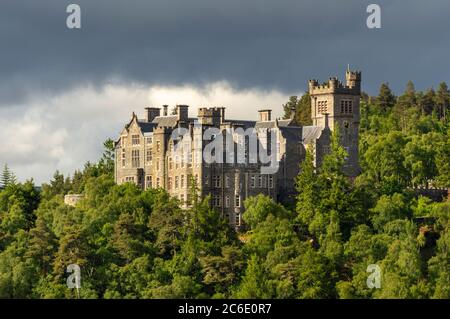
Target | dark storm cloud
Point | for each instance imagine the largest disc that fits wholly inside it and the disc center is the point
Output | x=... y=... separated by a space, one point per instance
x=277 y=44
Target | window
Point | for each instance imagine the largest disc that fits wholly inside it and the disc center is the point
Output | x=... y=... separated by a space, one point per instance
x=157 y=164
x=206 y=179
x=124 y=162
x=189 y=158
x=346 y=107
x=182 y=198
x=227 y=181
x=216 y=201
x=149 y=140
x=129 y=179
x=237 y=201
x=182 y=181
x=135 y=140
x=177 y=182
x=148 y=155
x=237 y=219
x=322 y=106
x=227 y=201
x=170 y=163
x=158 y=146
x=260 y=181
x=158 y=182
x=169 y=183
x=148 y=181
x=135 y=162
x=252 y=181
x=264 y=181
x=217 y=181
x=270 y=181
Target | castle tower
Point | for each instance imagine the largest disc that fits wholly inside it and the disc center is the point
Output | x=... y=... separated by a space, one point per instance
x=340 y=104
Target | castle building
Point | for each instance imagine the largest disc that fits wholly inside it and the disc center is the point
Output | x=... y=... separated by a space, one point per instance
x=150 y=154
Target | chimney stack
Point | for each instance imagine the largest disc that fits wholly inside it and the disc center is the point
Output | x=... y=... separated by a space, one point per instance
x=265 y=115
x=152 y=112
x=182 y=112
x=326 y=119
x=165 y=106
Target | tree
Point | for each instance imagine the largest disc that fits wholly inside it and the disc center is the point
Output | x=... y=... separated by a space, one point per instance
x=386 y=99
x=442 y=100
x=301 y=108
x=7 y=177
x=254 y=284
x=259 y=207
x=106 y=163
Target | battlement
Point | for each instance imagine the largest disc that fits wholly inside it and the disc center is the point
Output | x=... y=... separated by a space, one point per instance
x=211 y=115
x=334 y=86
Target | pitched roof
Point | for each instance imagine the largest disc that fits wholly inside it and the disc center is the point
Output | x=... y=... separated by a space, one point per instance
x=167 y=121
x=311 y=133
x=146 y=126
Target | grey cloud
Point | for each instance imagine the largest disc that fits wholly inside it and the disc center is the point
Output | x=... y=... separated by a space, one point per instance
x=253 y=43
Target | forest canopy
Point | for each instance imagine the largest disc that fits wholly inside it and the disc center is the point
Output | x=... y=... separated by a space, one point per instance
x=131 y=243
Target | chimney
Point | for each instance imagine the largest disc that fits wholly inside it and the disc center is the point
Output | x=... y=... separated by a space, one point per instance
x=152 y=112
x=326 y=119
x=265 y=115
x=182 y=113
x=165 y=106
x=222 y=114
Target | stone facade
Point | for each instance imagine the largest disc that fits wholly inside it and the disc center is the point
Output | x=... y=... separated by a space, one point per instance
x=338 y=105
x=145 y=150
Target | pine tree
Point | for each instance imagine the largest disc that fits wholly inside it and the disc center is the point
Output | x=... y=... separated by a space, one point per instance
x=7 y=177
x=442 y=100
x=386 y=99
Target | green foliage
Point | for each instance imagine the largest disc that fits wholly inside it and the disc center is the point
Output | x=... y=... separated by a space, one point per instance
x=301 y=108
x=132 y=243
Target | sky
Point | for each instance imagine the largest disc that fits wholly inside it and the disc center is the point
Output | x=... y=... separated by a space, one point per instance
x=64 y=91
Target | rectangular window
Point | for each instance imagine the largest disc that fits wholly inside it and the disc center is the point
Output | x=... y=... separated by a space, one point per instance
x=170 y=183
x=270 y=181
x=260 y=183
x=135 y=159
x=149 y=140
x=227 y=201
x=227 y=181
x=322 y=106
x=158 y=146
x=189 y=158
x=177 y=182
x=182 y=181
x=135 y=140
x=217 y=181
x=238 y=219
x=237 y=201
x=206 y=179
x=148 y=157
x=216 y=201
x=158 y=182
x=129 y=179
x=124 y=162
x=252 y=181
x=264 y=181
x=148 y=181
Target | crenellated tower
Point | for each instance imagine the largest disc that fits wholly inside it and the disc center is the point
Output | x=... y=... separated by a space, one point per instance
x=336 y=104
